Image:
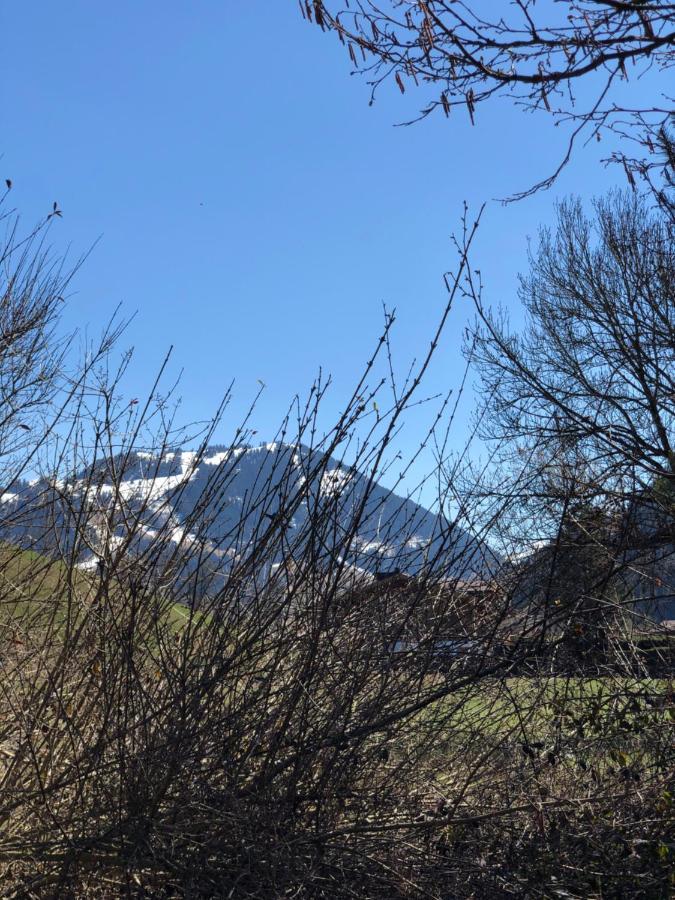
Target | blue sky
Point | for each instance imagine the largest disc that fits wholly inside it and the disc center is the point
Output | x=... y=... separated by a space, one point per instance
x=251 y=207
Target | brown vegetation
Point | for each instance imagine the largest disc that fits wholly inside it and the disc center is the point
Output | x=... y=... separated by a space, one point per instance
x=162 y=737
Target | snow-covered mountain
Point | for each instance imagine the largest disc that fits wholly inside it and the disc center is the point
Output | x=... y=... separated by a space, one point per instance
x=217 y=507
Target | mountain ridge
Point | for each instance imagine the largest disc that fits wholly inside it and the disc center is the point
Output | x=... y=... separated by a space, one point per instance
x=224 y=502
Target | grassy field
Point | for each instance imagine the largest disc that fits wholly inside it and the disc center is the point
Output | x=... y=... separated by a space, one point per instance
x=36 y=589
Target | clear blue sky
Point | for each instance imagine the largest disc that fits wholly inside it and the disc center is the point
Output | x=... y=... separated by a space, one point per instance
x=251 y=206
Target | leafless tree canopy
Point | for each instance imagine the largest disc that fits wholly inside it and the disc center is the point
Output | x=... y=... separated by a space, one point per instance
x=592 y=375
x=536 y=54
x=580 y=405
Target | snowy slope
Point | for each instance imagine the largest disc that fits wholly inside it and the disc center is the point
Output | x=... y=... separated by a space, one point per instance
x=232 y=499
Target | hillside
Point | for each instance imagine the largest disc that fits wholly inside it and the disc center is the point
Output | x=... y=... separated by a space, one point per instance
x=224 y=505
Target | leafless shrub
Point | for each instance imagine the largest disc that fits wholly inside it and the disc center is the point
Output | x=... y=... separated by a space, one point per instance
x=250 y=712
